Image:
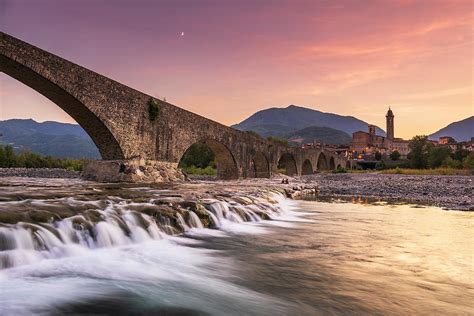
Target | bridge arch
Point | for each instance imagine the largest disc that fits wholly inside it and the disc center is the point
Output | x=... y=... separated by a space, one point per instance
x=261 y=165
x=332 y=164
x=288 y=162
x=37 y=79
x=224 y=159
x=103 y=138
x=322 y=162
x=307 y=168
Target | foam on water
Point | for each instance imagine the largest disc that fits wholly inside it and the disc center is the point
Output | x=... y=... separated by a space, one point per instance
x=128 y=253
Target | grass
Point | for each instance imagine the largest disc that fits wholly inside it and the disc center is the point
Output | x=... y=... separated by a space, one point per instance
x=437 y=171
x=208 y=171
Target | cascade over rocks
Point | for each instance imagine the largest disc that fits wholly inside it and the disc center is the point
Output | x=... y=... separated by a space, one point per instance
x=66 y=218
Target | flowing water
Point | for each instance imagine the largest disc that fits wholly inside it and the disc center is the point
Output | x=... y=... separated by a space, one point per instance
x=312 y=258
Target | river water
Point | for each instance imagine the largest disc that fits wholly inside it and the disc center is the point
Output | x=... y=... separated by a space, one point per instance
x=314 y=257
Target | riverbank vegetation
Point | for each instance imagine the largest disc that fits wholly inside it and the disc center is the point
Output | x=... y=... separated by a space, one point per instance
x=437 y=171
x=199 y=159
x=426 y=158
x=10 y=159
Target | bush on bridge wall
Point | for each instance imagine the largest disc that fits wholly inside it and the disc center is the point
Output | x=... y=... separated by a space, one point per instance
x=153 y=109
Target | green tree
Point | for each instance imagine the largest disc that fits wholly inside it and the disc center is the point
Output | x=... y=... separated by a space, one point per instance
x=278 y=140
x=395 y=155
x=198 y=155
x=437 y=155
x=26 y=159
x=468 y=162
x=419 y=151
x=451 y=163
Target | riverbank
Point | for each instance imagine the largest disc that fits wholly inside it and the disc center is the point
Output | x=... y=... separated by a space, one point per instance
x=451 y=192
x=48 y=173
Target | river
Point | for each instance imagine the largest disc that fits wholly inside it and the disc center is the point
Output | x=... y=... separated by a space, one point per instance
x=313 y=257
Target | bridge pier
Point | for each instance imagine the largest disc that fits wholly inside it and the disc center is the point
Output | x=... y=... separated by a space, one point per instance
x=132 y=170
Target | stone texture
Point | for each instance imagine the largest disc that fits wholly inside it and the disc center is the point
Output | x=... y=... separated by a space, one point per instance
x=136 y=170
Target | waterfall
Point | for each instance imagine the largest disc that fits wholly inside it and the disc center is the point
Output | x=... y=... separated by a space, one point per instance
x=119 y=223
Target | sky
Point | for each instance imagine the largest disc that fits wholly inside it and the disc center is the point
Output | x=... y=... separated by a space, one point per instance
x=237 y=57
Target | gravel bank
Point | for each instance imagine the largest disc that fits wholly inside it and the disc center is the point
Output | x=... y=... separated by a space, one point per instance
x=39 y=173
x=452 y=192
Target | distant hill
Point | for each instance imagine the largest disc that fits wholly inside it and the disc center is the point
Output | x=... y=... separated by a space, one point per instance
x=460 y=131
x=282 y=121
x=48 y=138
x=325 y=134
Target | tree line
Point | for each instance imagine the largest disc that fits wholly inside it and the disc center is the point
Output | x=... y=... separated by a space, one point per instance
x=425 y=155
x=26 y=159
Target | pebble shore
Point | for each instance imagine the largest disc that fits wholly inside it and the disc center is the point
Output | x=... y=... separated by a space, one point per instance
x=450 y=192
x=50 y=173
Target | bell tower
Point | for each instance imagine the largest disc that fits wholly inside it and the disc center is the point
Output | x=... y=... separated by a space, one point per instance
x=390 y=124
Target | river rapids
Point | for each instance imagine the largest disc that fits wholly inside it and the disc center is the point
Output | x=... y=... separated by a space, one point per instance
x=76 y=247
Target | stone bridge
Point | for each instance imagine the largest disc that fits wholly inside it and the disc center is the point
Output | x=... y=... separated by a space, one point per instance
x=119 y=121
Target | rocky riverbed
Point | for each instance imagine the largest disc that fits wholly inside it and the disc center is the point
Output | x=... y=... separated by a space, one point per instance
x=451 y=192
x=47 y=173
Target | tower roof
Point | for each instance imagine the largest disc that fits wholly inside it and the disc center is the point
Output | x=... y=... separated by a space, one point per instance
x=389 y=112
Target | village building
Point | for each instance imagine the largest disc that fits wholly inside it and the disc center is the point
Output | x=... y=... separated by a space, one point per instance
x=368 y=143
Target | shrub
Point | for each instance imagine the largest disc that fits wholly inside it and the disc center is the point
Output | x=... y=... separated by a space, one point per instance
x=340 y=170
x=437 y=155
x=198 y=155
x=395 y=155
x=153 y=109
x=451 y=163
x=253 y=134
x=208 y=171
x=278 y=140
x=26 y=159
x=468 y=162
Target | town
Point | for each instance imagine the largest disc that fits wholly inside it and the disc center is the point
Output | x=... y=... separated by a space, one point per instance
x=368 y=150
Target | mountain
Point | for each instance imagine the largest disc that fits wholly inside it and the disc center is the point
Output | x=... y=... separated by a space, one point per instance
x=325 y=134
x=460 y=131
x=279 y=121
x=48 y=138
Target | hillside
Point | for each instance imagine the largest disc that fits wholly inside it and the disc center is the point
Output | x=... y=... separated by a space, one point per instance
x=48 y=138
x=325 y=134
x=460 y=131
x=280 y=121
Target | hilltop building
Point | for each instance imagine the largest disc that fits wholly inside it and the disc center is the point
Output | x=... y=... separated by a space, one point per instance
x=367 y=143
x=453 y=145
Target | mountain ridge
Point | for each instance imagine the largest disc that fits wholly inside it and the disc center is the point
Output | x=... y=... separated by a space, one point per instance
x=296 y=118
x=461 y=130
x=50 y=138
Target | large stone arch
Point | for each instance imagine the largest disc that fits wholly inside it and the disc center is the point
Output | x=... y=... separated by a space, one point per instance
x=226 y=165
x=322 y=162
x=288 y=162
x=307 y=168
x=261 y=165
x=105 y=141
x=332 y=164
x=115 y=116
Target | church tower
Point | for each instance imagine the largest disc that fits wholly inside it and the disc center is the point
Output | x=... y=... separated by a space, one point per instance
x=390 y=124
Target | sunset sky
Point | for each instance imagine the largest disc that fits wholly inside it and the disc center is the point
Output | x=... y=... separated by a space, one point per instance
x=237 y=57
